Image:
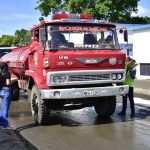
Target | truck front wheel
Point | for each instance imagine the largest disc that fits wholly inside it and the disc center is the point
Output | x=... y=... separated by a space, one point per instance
x=40 y=112
x=105 y=106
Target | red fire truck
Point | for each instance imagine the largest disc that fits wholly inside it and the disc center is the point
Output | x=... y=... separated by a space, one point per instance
x=73 y=61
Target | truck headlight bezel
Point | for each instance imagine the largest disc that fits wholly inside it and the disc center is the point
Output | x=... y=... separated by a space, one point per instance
x=113 y=76
x=116 y=76
x=59 y=79
x=119 y=76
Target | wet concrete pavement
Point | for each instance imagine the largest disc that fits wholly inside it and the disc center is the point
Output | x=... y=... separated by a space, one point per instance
x=82 y=129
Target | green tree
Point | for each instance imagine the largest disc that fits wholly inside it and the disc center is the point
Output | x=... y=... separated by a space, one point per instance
x=139 y=20
x=21 y=38
x=111 y=10
x=6 y=40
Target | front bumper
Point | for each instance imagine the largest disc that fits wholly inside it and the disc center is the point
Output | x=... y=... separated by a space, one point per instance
x=75 y=93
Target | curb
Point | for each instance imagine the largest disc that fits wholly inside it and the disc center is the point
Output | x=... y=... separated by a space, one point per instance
x=142 y=93
x=10 y=139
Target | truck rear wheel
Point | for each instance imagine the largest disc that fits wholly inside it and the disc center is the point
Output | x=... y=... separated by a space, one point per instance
x=105 y=107
x=40 y=112
x=15 y=92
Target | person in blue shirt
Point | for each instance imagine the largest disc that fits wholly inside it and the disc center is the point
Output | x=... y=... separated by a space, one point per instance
x=130 y=76
x=5 y=94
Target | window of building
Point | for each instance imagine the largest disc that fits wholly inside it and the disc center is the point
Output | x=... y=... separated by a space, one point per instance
x=145 y=69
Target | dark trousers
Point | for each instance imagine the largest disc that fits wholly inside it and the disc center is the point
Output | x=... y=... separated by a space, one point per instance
x=130 y=96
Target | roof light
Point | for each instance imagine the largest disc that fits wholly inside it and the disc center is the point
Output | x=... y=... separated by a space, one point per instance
x=86 y=16
x=72 y=16
x=59 y=16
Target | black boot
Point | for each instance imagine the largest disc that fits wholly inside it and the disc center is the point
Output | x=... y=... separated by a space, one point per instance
x=132 y=113
x=122 y=113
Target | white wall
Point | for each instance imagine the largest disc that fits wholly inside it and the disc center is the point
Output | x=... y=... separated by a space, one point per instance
x=141 y=48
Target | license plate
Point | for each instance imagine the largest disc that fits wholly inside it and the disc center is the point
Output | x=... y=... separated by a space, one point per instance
x=90 y=92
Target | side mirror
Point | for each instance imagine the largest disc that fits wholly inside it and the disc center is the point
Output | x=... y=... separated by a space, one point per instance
x=124 y=31
x=125 y=35
x=42 y=35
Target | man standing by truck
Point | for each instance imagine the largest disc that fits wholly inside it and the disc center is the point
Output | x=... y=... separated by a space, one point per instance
x=5 y=94
x=130 y=76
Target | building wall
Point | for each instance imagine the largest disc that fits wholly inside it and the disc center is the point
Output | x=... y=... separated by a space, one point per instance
x=141 y=50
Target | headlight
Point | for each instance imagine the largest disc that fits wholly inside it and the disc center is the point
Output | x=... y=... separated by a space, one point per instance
x=119 y=76
x=63 y=78
x=59 y=79
x=113 y=76
x=56 y=79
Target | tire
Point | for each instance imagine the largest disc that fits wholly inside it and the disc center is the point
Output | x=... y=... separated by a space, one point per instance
x=40 y=112
x=29 y=95
x=15 y=92
x=105 y=107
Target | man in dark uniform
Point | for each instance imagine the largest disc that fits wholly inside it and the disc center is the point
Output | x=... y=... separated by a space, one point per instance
x=5 y=94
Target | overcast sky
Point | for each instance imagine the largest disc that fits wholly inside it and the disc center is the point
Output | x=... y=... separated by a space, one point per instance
x=18 y=14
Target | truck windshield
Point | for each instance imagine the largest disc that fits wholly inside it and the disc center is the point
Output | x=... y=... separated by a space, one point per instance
x=81 y=37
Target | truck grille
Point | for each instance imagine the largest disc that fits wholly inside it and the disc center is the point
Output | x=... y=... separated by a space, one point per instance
x=74 y=78
x=83 y=77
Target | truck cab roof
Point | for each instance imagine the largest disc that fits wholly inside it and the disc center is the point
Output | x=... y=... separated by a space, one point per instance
x=63 y=19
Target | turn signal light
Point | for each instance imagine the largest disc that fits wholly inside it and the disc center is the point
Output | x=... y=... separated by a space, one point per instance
x=46 y=63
